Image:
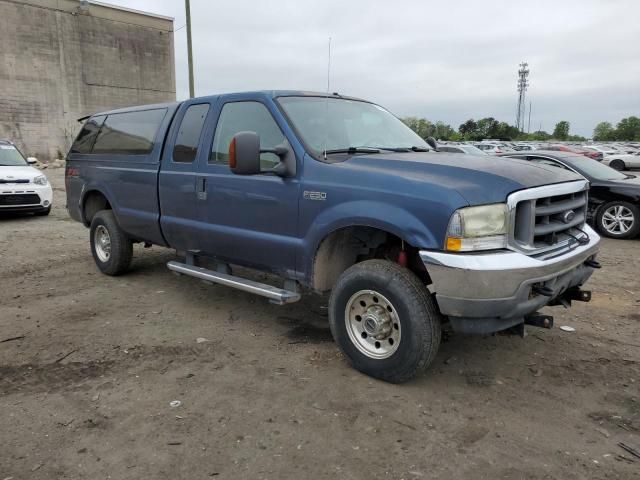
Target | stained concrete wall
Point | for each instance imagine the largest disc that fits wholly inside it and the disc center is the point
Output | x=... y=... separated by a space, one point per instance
x=60 y=62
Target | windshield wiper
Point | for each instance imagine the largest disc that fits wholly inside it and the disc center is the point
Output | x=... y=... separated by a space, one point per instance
x=352 y=150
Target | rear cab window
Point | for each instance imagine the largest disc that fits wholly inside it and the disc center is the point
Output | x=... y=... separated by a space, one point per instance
x=188 y=138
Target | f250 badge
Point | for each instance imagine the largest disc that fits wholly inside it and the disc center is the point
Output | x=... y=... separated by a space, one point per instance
x=320 y=196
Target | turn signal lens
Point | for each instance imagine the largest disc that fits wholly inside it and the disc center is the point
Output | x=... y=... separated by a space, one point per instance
x=454 y=244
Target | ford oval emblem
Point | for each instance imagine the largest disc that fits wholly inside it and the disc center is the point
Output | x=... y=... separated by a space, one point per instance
x=568 y=216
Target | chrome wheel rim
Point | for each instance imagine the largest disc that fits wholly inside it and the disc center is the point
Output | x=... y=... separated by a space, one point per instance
x=618 y=220
x=372 y=324
x=102 y=243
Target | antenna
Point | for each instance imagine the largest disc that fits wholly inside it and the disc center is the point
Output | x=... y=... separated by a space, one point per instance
x=326 y=125
x=329 y=69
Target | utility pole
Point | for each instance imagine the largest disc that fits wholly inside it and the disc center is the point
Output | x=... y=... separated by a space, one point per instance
x=523 y=83
x=529 y=124
x=187 y=5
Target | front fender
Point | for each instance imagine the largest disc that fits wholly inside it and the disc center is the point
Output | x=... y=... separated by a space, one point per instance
x=388 y=218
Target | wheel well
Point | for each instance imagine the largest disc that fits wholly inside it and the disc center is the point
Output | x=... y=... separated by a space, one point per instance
x=347 y=246
x=93 y=203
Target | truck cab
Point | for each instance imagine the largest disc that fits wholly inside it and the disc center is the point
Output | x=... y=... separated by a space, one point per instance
x=335 y=194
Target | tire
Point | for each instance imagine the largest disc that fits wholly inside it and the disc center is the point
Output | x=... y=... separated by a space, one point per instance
x=43 y=213
x=618 y=165
x=112 y=253
x=618 y=219
x=392 y=295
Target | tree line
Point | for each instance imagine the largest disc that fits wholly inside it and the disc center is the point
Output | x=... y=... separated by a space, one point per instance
x=489 y=127
x=626 y=129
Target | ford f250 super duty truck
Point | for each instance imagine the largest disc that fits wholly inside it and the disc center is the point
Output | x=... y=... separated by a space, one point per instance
x=332 y=193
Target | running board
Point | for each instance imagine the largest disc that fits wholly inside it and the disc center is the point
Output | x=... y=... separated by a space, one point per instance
x=274 y=294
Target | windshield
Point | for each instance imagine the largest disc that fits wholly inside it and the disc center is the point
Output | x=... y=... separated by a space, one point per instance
x=336 y=124
x=595 y=169
x=11 y=157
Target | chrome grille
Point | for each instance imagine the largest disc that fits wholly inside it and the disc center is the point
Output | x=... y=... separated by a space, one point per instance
x=548 y=220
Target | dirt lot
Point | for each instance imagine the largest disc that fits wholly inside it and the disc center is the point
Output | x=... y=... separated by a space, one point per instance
x=85 y=389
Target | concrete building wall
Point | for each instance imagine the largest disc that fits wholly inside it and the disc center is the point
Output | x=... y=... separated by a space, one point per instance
x=60 y=61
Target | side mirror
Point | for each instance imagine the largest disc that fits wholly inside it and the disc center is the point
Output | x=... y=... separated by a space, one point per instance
x=32 y=160
x=432 y=143
x=244 y=155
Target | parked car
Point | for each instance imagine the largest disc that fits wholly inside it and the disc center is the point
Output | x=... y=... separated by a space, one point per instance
x=23 y=189
x=615 y=158
x=334 y=193
x=614 y=197
x=492 y=148
x=468 y=149
x=523 y=147
x=599 y=156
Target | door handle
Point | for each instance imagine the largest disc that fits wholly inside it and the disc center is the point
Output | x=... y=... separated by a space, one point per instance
x=201 y=188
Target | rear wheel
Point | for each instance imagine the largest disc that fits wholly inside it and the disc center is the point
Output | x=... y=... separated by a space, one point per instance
x=112 y=250
x=617 y=165
x=384 y=320
x=618 y=220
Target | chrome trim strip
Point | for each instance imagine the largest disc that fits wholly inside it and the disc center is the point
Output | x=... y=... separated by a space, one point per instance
x=501 y=259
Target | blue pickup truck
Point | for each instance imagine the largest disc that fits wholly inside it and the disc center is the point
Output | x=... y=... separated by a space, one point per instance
x=335 y=194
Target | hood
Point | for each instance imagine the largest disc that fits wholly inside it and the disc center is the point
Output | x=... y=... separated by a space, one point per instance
x=479 y=179
x=19 y=173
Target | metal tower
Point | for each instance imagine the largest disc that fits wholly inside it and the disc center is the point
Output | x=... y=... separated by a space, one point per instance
x=523 y=83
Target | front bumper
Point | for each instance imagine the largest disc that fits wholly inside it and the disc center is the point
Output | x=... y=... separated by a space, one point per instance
x=488 y=292
x=25 y=198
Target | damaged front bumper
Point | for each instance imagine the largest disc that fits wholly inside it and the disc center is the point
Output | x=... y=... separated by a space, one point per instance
x=493 y=291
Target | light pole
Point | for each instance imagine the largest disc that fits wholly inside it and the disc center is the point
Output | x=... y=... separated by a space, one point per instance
x=189 y=48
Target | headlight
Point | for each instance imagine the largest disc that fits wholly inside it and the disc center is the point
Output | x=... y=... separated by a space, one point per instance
x=478 y=228
x=40 y=180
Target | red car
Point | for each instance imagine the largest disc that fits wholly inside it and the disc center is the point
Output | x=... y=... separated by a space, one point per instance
x=587 y=153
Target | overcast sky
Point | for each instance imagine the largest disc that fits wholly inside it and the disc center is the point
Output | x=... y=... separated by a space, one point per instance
x=445 y=60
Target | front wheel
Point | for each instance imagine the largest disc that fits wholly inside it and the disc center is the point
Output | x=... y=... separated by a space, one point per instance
x=111 y=248
x=384 y=320
x=618 y=220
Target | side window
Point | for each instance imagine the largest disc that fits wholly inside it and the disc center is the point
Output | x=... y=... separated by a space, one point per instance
x=87 y=136
x=129 y=133
x=246 y=117
x=188 y=137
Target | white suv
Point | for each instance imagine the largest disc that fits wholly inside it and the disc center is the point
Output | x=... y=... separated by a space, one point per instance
x=22 y=187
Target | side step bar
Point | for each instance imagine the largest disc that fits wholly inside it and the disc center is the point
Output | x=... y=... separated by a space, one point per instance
x=274 y=294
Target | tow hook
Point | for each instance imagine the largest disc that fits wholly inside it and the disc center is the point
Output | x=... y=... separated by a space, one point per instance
x=539 y=320
x=542 y=290
x=535 y=320
x=593 y=264
x=578 y=295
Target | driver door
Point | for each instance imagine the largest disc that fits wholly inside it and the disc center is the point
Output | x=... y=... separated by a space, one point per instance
x=250 y=220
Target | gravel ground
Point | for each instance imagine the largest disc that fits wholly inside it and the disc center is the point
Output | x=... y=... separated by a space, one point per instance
x=85 y=389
